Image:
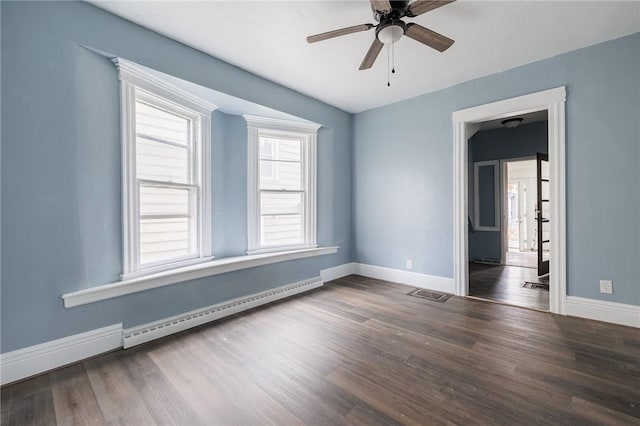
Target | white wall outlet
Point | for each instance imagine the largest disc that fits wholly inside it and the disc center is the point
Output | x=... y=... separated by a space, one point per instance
x=606 y=286
x=409 y=264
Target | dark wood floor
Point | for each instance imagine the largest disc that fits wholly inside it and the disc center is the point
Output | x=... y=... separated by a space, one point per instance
x=526 y=259
x=357 y=351
x=502 y=283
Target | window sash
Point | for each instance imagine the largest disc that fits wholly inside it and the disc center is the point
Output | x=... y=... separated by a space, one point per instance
x=193 y=220
x=303 y=133
x=136 y=85
x=192 y=187
x=302 y=190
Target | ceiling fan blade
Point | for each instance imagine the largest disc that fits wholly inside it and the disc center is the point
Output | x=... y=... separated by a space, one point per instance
x=371 y=55
x=430 y=38
x=340 y=32
x=381 y=5
x=419 y=7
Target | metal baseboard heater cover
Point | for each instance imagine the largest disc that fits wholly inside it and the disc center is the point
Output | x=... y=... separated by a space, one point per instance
x=155 y=330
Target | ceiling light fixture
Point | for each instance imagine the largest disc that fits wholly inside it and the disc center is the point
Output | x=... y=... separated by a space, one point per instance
x=391 y=33
x=512 y=122
x=388 y=34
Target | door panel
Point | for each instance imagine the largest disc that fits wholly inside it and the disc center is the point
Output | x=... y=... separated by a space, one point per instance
x=542 y=213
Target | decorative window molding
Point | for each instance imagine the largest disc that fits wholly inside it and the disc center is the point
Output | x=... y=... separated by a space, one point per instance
x=139 y=88
x=285 y=132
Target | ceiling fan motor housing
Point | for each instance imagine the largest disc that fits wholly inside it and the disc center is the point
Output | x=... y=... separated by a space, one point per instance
x=398 y=9
x=391 y=28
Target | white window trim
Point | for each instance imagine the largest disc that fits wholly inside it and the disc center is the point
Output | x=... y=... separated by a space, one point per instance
x=132 y=76
x=309 y=133
x=496 y=195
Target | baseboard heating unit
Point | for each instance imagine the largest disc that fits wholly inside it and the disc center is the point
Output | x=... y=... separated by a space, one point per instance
x=154 y=330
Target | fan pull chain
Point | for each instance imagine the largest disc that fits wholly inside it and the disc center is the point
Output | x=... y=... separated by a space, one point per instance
x=388 y=66
x=393 y=58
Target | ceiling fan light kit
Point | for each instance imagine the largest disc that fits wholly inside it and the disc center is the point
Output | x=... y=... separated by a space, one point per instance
x=392 y=32
x=391 y=27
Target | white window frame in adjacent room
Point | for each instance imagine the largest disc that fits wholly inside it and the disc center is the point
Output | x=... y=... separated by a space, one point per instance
x=496 y=195
x=307 y=133
x=137 y=83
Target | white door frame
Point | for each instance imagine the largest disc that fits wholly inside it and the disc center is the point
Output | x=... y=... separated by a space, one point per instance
x=464 y=122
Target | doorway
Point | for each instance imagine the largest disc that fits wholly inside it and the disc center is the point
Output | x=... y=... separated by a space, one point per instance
x=466 y=123
x=503 y=241
x=520 y=242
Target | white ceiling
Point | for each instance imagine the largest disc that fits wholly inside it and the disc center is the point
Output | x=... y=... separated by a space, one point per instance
x=224 y=102
x=268 y=38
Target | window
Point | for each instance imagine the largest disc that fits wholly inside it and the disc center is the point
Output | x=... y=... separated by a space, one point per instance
x=486 y=177
x=281 y=184
x=166 y=173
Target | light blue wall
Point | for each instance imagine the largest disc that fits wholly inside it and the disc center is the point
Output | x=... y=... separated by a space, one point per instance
x=229 y=152
x=61 y=217
x=403 y=175
x=500 y=144
x=384 y=180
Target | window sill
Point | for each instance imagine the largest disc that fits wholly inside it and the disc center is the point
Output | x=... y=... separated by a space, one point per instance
x=187 y=273
x=280 y=249
x=165 y=267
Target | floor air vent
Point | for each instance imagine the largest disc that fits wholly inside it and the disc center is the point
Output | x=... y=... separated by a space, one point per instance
x=434 y=296
x=484 y=261
x=535 y=286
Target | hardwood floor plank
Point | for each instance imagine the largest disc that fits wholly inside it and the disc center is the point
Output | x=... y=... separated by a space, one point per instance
x=165 y=403
x=364 y=415
x=33 y=409
x=73 y=397
x=601 y=414
x=116 y=395
x=28 y=402
x=357 y=351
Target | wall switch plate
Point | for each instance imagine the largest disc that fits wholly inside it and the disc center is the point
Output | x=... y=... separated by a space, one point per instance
x=606 y=286
x=409 y=264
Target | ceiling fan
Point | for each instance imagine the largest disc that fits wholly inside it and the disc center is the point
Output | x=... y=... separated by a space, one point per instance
x=391 y=27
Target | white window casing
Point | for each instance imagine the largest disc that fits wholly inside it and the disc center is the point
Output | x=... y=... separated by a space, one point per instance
x=139 y=87
x=281 y=132
x=479 y=198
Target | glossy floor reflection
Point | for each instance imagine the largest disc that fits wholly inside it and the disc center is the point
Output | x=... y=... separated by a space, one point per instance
x=502 y=283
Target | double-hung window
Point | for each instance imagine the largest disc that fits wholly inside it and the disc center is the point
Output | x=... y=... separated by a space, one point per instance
x=166 y=173
x=281 y=184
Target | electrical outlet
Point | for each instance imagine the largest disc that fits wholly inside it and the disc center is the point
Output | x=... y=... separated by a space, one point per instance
x=606 y=286
x=409 y=264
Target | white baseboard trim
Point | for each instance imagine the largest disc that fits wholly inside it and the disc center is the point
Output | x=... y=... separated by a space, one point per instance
x=414 y=279
x=32 y=360
x=154 y=330
x=336 y=272
x=616 y=313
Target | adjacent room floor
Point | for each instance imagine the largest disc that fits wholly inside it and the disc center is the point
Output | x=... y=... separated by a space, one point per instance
x=503 y=283
x=357 y=351
x=525 y=259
